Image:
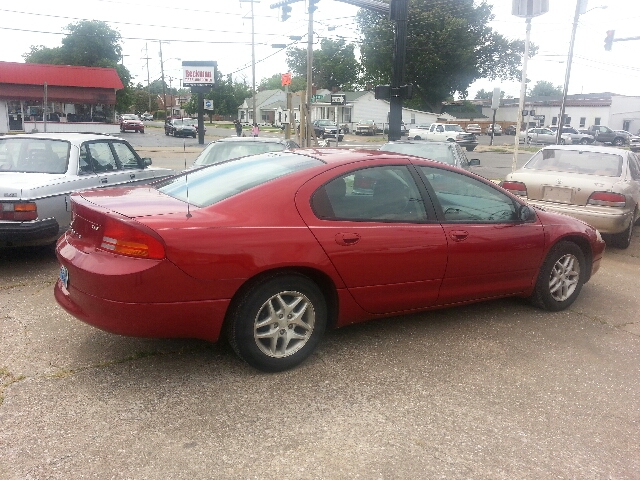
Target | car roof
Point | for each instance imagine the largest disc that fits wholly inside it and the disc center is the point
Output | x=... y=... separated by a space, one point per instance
x=251 y=139
x=69 y=137
x=419 y=142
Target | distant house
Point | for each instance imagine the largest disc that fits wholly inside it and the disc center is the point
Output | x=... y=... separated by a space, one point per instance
x=267 y=103
x=618 y=112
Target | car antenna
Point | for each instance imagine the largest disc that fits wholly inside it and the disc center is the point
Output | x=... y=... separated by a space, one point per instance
x=184 y=151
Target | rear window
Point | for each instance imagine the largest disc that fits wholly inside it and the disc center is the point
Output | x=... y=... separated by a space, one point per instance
x=222 y=151
x=34 y=155
x=576 y=161
x=453 y=128
x=213 y=184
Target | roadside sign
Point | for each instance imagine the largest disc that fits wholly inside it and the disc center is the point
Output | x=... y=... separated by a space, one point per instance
x=316 y=98
x=208 y=104
x=338 y=99
x=286 y=79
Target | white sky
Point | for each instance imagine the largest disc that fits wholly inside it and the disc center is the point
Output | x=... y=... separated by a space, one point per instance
x=220 y=30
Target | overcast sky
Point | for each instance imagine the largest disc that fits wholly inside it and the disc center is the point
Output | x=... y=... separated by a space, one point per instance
x=220 y=30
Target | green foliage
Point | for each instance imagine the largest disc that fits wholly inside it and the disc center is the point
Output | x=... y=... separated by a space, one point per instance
x=141 y=100
x=334 y=65
x=226 y=96
x=89 y=43
x=543 y=88
x=487 y=95
x=449 y=46
x=275 y=82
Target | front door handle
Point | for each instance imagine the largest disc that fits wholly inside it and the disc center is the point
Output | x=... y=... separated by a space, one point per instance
x=103 y=180
x=347 y=239
x=458 y=235
x=132 y=175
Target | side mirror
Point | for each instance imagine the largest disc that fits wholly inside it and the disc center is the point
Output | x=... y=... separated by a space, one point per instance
x=146 y=162
x=474 y=162
x=527 y=214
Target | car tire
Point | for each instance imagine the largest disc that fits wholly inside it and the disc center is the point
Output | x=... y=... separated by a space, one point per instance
x=141 y=131
x=277 y=324
x=560 y=278
x=529 y=140
x=584 y=141
x=618 y=141
x=194 y=135
x=622 y=240
x=562 y=141
x=470 y=149
x=417 y=137
x=166 y=132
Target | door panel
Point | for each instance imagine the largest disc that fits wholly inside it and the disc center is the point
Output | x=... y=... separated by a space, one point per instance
x=372 y=224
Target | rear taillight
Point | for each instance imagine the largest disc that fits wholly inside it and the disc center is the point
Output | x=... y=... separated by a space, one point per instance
x=124 y=238
x=517 y=188
x=607 y=199
x=18 y=211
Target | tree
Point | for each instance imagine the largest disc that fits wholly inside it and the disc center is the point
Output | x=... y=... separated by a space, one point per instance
x=543 y=88
x=227 y=96
x=450 y=45
x=487 y=95
x=334 y=65
x=89 y=43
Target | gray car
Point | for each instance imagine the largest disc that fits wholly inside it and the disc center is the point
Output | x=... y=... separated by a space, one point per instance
x=39 y=172
x=446 y=152
x=235 y=147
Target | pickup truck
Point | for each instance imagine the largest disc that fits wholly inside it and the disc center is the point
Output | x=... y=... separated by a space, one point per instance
x=606 y=135
x=445 y=132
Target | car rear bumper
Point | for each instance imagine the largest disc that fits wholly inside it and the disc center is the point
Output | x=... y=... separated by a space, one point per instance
x=23 y=234
x=200 y=319
x=605 y=219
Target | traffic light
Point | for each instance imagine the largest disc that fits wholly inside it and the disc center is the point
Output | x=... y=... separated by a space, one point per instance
x=286 y=12
x=608 y=40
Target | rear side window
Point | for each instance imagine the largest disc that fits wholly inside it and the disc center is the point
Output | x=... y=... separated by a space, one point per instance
x=210 y=185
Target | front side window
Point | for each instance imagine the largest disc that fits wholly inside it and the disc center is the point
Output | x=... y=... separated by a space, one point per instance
x=34 y=155
x=464 y=199
x=373 y=194
x=102 y=157
x=126 y=156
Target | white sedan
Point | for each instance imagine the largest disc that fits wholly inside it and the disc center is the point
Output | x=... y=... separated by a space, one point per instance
x=38 y=172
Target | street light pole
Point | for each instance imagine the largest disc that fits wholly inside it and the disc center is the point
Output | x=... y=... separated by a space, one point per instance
x=523 y=90
x=568 y=72
x=253 y=57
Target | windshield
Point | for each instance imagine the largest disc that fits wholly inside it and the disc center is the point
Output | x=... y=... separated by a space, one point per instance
x=325 y=123
x=130 y=117
x=433 y=151
x=218 y=152
x=366 y=122
x=34 y=155
x=210 y=185
x=576 y=161
x=453 y=128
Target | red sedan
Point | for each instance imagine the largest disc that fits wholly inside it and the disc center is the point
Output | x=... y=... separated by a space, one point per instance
x=272 y=249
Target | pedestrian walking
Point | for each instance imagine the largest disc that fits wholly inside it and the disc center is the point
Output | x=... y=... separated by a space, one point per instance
x=238 y=126
x=255 y=131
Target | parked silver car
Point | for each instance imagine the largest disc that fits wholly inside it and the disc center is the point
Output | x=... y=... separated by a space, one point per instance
x=446 y=152
x=38 y=172
x=543 y=135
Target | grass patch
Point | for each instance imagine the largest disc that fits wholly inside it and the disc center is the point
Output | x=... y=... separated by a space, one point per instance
x=503 y=149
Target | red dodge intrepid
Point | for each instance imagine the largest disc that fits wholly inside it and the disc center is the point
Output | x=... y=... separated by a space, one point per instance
x=272 y=249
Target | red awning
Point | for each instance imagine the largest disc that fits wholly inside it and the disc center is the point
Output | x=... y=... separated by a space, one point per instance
x=65 y=83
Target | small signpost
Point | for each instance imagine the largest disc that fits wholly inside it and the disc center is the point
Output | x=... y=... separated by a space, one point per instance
x=201 y=77
x=339 y=99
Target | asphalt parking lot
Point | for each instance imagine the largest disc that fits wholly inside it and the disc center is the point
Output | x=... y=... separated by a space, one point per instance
x=495 y=390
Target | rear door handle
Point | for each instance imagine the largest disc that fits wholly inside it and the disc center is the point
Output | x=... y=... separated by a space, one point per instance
x=103 y=180
x=458 y=235
x=346 y=239
x=132 y=175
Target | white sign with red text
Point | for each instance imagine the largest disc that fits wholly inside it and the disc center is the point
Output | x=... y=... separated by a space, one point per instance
x=198 y=76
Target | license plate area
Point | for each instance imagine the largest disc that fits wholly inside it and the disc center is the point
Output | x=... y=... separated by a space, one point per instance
x=558 y=194
x=64 y=276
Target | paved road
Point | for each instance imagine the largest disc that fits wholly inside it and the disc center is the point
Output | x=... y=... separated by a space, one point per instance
x=175 y=153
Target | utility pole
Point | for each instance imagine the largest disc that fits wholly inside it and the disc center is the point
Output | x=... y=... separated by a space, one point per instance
x=164 y=92
x=400 y=15
x=253 y=58
x=146 y=52
x=576 y=18
x=307 y=137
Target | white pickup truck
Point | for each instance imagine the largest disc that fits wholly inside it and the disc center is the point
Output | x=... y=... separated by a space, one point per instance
x=446 y=132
